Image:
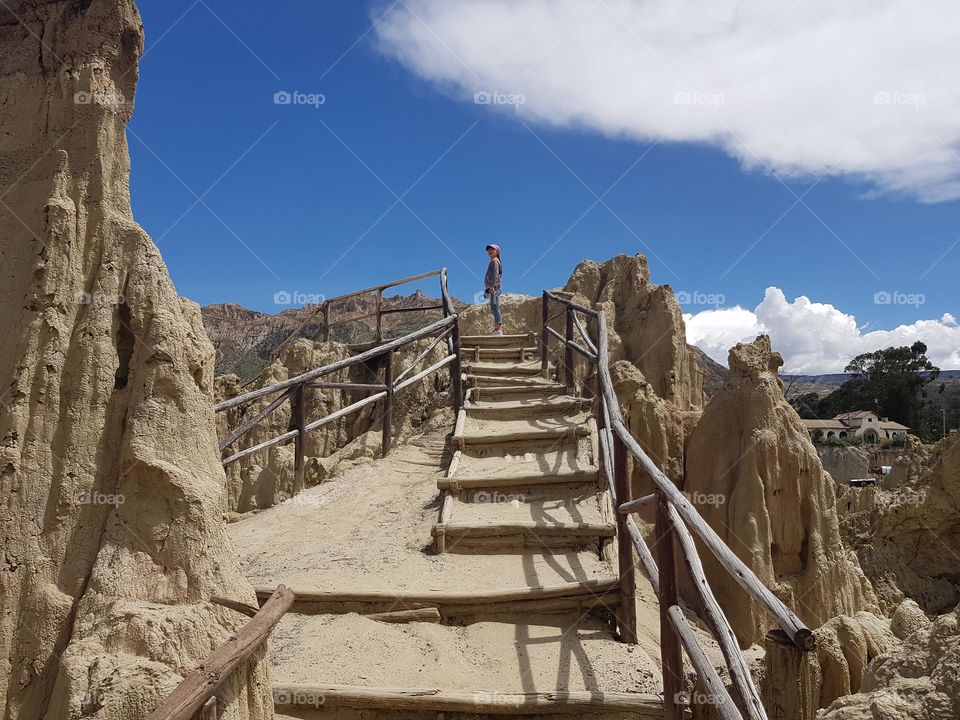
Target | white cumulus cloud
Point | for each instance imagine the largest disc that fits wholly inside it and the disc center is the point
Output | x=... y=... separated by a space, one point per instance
x=815 y=338
x=863 y=89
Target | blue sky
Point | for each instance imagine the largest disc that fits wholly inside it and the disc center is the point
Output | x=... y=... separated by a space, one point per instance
x=305 y=198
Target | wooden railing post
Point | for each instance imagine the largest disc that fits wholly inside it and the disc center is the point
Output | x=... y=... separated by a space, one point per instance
x=387 y=402
x=791 y=683
x=544 y=335
x=298 y=420
x=671 y=659
x=326 y=322
x=568 y=352
x=379 y=314
x=627 y=612
x=456 y=381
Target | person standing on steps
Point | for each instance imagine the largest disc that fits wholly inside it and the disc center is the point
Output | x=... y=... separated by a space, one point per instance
x=491 y=284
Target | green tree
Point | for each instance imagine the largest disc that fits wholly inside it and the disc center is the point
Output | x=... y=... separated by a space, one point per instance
x=889 y=382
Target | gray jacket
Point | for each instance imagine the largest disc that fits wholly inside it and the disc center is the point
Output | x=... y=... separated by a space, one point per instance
x=494 y=272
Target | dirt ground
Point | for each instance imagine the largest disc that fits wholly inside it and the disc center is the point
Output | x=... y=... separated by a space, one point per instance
x=370 y=529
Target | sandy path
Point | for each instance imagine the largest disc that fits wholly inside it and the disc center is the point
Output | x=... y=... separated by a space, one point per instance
x=369 y=528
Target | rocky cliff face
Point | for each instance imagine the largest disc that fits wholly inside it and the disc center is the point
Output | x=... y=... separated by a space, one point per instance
x=908 y=538
x=754 y=475
x=645 y=324
x=111 y=489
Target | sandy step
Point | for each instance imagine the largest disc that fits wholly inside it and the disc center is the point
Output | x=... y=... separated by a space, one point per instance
x=526 y=460
x=516 y=392
x=469 y=537
x=495 y=341
x=490 y=655
x=456 y=605
x=571 y=505
x=520 y=480
x=523 y=352
x=509 y=368
x=521 y=435
x=487 y=431
x=473 y=379
x=558 y=405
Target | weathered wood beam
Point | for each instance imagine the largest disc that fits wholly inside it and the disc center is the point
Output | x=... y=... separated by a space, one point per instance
x=722 y=632
x=200 y=685
x=639 y=705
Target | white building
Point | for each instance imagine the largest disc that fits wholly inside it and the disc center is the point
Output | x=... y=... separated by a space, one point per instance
x=859 y=424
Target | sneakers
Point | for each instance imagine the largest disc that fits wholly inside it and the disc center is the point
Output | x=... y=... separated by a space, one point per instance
x=497 y=331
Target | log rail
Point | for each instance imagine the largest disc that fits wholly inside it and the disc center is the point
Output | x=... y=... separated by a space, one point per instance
x=324 y=310
x=195 y=697
x=676 y=519
x=446 y=330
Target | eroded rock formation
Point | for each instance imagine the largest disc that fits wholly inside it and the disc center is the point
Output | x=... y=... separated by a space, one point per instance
x=645 y=325
x=919 y=681
x=908 y=538
x=111 y=491
x=754 y=475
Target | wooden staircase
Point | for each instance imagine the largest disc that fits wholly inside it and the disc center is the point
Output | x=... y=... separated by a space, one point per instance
x=524 y=473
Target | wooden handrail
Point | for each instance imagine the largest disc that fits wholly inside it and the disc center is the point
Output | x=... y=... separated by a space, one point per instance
x=338 y=365
x=719 y=625
x=324 y=307
x=293 y=388
x=675 y=515
x=798 y=632
x=201 y=684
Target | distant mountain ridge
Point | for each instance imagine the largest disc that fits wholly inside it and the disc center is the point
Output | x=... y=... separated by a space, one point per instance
x=831 y=381
x=244 y=339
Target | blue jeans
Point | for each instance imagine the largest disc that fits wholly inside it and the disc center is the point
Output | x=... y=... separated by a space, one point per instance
x=495 y=306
